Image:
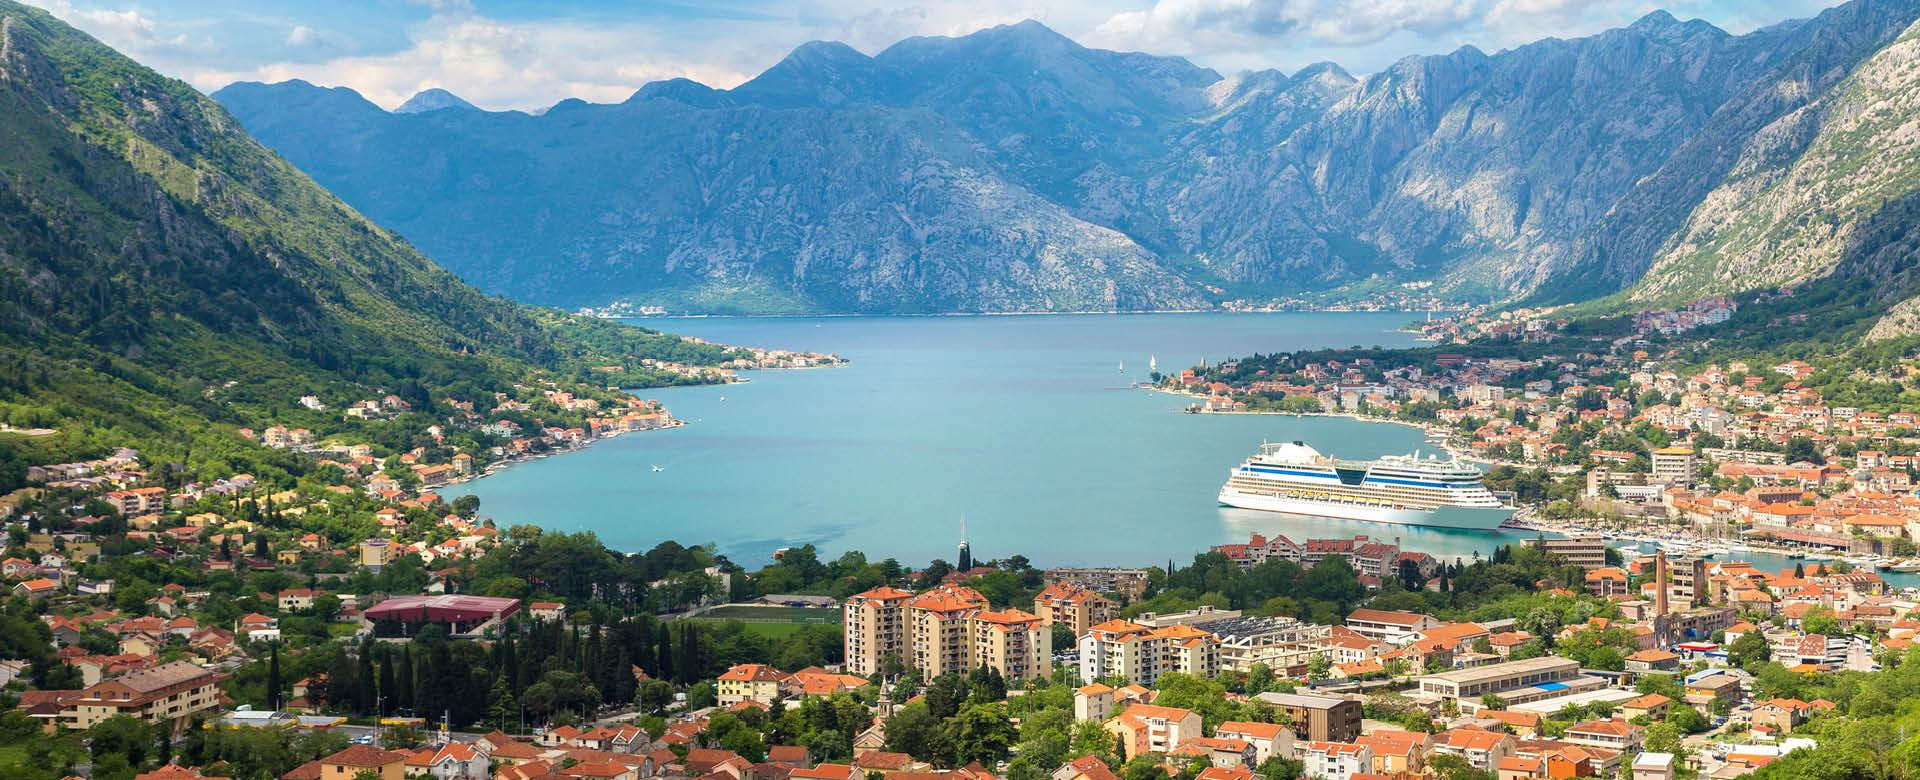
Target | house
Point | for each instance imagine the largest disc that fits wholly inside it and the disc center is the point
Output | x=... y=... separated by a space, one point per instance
x=1653 y=766
x=1653 y=661
x=1336 y=760
x=1395 y=627
x=1782 y=715
x=1093 y=702
x=1268 y=739
x=1146 y=728
x=36 y=588
x=1218 y=752
x=1085 y=768
x=751 y=682
x=351 y=763
x=1482 y=749
x=452 y=761
x=1612 y=734
x=1654 y=706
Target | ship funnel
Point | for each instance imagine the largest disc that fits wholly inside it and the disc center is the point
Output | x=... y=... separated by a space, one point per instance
x=1299 y=443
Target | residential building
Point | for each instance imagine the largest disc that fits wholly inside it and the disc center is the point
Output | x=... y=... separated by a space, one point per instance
x=171 y=693
x=875 y=629
x=1480 y=748
x=1396 y=627
x=1118 y=649
x=357 y=760
x=750 y=682
x=1268 y=739
x=1093 y=702
x=1073 y=606
x=1145 y=728
x=1017 y=644
x=1336 y=760
x=1653 y=766
x=1584 y=550
x=1129 y=583
x=1319 y=718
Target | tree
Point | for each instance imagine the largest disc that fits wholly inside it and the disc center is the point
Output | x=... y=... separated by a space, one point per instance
x=982 y=732
x=466 y=506
x=503 y=711
x=273 y=677
x=1318 y=666
x=121 y=735
x=1751 y=648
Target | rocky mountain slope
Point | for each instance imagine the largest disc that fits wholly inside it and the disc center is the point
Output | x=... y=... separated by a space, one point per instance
x=1013 y=169
x=164 y=277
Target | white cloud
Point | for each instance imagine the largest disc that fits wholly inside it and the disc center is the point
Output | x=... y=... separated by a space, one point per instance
x=125 y=29
x=1225 y=28
x=304 y=37
x=491 y=63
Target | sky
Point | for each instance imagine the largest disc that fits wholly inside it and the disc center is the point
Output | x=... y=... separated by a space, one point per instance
x=528 y=54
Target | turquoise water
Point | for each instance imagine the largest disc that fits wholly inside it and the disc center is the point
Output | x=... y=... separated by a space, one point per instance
x=1023 y=427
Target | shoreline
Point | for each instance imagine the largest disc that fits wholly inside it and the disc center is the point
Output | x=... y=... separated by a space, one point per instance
x=934 y=315
x=1648 y=531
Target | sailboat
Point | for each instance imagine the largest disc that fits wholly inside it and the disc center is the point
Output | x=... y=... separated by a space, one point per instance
x=1153 y=363
x=1123 y=366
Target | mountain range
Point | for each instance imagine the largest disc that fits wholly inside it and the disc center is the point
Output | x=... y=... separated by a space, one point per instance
x=165 y=279
x=1015 y=170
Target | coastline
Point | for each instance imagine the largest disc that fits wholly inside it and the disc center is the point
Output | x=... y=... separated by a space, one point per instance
x=1089 y=313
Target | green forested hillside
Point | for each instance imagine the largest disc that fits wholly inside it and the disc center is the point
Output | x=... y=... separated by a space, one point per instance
x=164 y=278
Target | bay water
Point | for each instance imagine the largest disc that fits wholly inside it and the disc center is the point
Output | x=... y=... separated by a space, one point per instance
x=1023 y=430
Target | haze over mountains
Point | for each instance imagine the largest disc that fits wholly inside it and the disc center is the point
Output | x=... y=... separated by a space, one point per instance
x=1015 y=170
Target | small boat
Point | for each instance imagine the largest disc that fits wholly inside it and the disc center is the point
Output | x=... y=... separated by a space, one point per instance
x=1910 y=564
x=658 y=468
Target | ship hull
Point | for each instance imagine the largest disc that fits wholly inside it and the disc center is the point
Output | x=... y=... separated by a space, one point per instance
x=1464 y=518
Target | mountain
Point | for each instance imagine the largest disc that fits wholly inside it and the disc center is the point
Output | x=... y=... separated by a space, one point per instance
x=432 y=100
x=1014 y=169
x=164 y=278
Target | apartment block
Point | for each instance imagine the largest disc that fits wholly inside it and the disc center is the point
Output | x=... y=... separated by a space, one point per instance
x=1118 y=649
x=875 y=626
x=1016 y=644
x=170 y=693
x=1587 y=551
x=947 y=630
x=1129 y=583
x=1072 y=606
x=1319 y=718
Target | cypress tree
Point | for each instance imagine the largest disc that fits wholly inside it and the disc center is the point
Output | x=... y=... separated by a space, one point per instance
x=273 y=678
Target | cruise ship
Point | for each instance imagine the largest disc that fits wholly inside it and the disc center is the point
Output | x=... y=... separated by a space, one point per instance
x=1403 y=489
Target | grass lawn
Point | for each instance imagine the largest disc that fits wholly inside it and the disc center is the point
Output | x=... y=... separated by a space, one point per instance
x=751 y=614
x=772 y=622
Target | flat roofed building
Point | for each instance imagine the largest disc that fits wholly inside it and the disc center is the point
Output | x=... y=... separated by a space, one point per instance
x=1499 y=678
x=1587 y=551
x=1319 y=718
x=1386 y=626
x=1129 y=583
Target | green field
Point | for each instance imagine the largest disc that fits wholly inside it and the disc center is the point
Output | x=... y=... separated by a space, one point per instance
x=789 y=615
x=773 y=622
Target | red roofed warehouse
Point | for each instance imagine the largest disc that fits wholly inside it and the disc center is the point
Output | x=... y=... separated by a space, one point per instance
x=461 y=614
